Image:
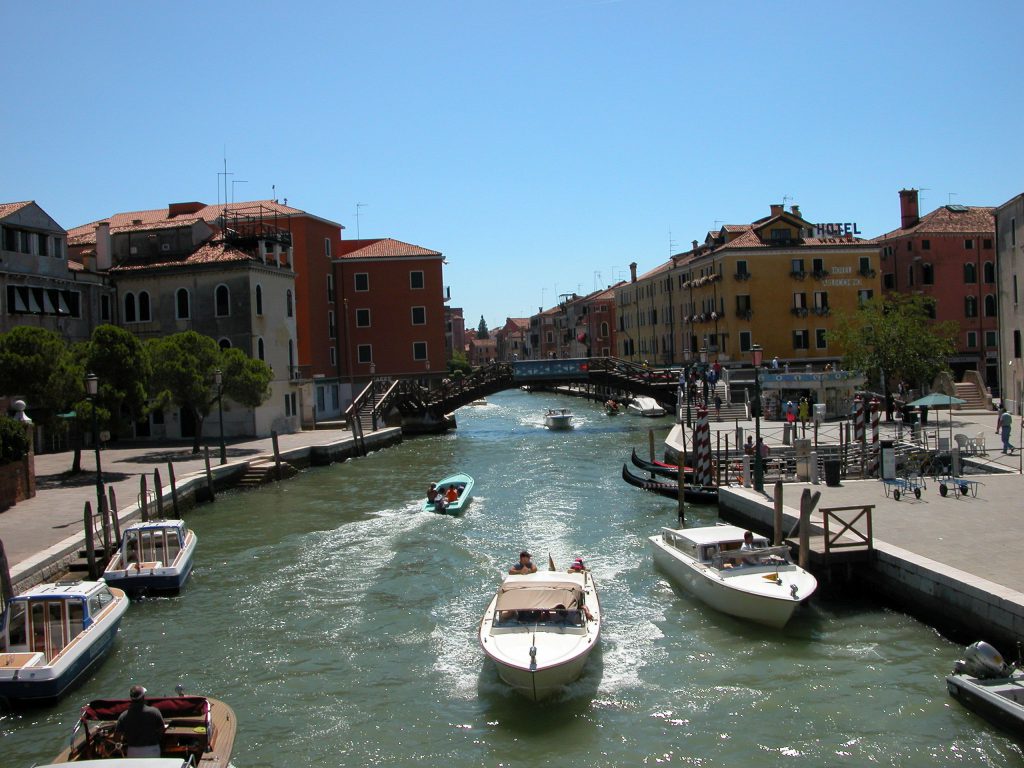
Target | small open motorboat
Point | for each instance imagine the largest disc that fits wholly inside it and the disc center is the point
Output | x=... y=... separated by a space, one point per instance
x=463 y=485
x=200 y=732
x=661 y=468
x=612 y=407
x=987 y=685
x=558 y=418
x=641 y=405
x=53 y=635
x=155 y=556
x=694 y=494
x=760 y=584
x=540 y=628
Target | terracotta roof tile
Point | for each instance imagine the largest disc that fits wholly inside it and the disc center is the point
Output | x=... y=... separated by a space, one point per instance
x=216 y=252
x=382 y=247
x=6 y=209
x=950 y=219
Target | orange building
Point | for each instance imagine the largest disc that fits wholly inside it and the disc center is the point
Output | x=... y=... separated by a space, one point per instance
x=393 y=309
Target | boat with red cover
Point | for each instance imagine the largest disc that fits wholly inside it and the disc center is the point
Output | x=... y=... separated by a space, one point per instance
x=200 y=731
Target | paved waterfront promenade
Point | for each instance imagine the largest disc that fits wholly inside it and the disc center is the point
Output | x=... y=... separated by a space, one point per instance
x=54 y=515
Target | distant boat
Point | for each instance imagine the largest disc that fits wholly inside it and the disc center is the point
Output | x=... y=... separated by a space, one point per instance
x=537 y=630
x=155 y=556
x=479 y=401
x=641 y=405
x=987 y=685
x=761 y=584
x=462 y=483
x=660 y=468
x=560 y=418
x=695 y=494
x=612 y=407
x=53 y=635
x=200 y=733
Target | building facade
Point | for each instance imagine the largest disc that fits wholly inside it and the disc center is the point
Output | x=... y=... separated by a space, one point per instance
x=949 y=255
x=1009 y=224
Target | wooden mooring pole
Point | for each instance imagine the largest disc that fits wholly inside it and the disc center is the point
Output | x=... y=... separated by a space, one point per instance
x=777 y=519
x=174 y=490
x=6 y=587
x=209 y=473
x=90 y=543
x=143 y=498
x=105 y=527
x=114 y=519
x=650 y=443
x=158 y=489
x=277 y=455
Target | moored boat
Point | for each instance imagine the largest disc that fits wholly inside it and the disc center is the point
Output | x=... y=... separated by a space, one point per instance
x=200 y=731
x=760 y=583
x=984 y=683
x=53 y=635
x=540 y=628
x=694 y=494
x=641 y=405
x=154 y=556
x=462 y=484
x=661 y=468
x=558 y=418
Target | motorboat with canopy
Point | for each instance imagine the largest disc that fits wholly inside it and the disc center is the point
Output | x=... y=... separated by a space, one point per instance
x=540 y=628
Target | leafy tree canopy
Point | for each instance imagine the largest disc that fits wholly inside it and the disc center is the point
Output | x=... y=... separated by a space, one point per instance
x=481 y=329
x=459 y=362
x=894 y=338
x=36 y=364
x=246 y=380
x=122 y=364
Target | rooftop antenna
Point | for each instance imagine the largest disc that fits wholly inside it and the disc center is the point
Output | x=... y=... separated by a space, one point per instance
x=671 y=243
x=273 y=192
x=236 y=181
x=715 y=225
x=597 y=279
x=920 y=197
x=949 y=197
x=225 y=174
x=785 y=199
x=358 y=206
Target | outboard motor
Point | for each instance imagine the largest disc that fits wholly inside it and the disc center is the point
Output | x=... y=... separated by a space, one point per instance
x=983 y=661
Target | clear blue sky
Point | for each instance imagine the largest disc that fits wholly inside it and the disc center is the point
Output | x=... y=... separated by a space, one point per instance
x=540 y=145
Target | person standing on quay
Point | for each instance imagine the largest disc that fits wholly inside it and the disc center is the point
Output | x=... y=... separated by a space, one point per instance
x=1003 y=426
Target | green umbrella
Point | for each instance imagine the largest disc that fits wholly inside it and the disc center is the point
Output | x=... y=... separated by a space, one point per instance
x=935 y=400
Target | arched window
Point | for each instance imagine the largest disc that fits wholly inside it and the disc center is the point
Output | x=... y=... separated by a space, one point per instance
x=222 y=301
x=927 y=274
x=182 y=303
x=259 y=299
x=129 y=307
x=288 y=303
x=970 y=306
x=259 y=348
x=144 y=315
x=224 y=343
x=604 y=330
x=990 y=272
x=990 y=306
x=970 y=273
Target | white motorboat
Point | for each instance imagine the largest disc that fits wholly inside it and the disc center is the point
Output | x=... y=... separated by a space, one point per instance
x=154 y=556
x=540 y=628
x=53 y=635
x=558 y=418
x=987 y=685
x=761 y=584
x=641 y=405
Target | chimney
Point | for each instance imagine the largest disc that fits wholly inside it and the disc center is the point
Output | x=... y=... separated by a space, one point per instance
x=909 y=213
x=632 y=272
x=103 y=246
x=796 y=210
x=777 y=209
x=695 y=246
x=177 y=209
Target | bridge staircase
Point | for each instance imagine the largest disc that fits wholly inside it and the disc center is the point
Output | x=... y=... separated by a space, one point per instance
x=975 y=400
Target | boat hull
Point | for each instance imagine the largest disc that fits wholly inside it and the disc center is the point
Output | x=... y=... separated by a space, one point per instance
x=982 y=697
x=170 y=579
x=454 y=507
x=706 y=584
x=558 y=422
x=544 y=682
x=32 y=685
x=669 y=489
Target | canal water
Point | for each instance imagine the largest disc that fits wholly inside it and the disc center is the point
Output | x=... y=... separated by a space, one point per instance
x=340 y=622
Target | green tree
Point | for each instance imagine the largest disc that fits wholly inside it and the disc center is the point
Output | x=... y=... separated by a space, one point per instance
x=459 y=363
x=183 y=366
x=183 y=376
x=481 y=329
x=894 y=339
x=37 y=365
x=121 y=363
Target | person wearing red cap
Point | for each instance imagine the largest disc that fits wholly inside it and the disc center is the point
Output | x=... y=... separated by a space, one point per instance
x=142 y=726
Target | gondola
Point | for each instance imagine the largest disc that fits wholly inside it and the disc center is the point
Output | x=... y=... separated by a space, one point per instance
x=694 y=494
x=670 y=471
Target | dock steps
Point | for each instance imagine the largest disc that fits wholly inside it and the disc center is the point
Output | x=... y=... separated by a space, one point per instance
x=262 y=472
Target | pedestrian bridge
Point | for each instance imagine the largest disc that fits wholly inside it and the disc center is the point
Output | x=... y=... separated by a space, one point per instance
x=426 y=409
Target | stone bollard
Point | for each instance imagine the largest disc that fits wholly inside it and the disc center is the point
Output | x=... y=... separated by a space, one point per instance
x=746 y=471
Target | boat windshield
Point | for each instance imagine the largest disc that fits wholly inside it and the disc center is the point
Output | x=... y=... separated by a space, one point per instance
x=763 y=556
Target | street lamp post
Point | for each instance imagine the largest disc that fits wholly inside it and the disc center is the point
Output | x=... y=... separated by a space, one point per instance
x=757 y=355
x=704 y=372
x=92 y=388
x=218 y=379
